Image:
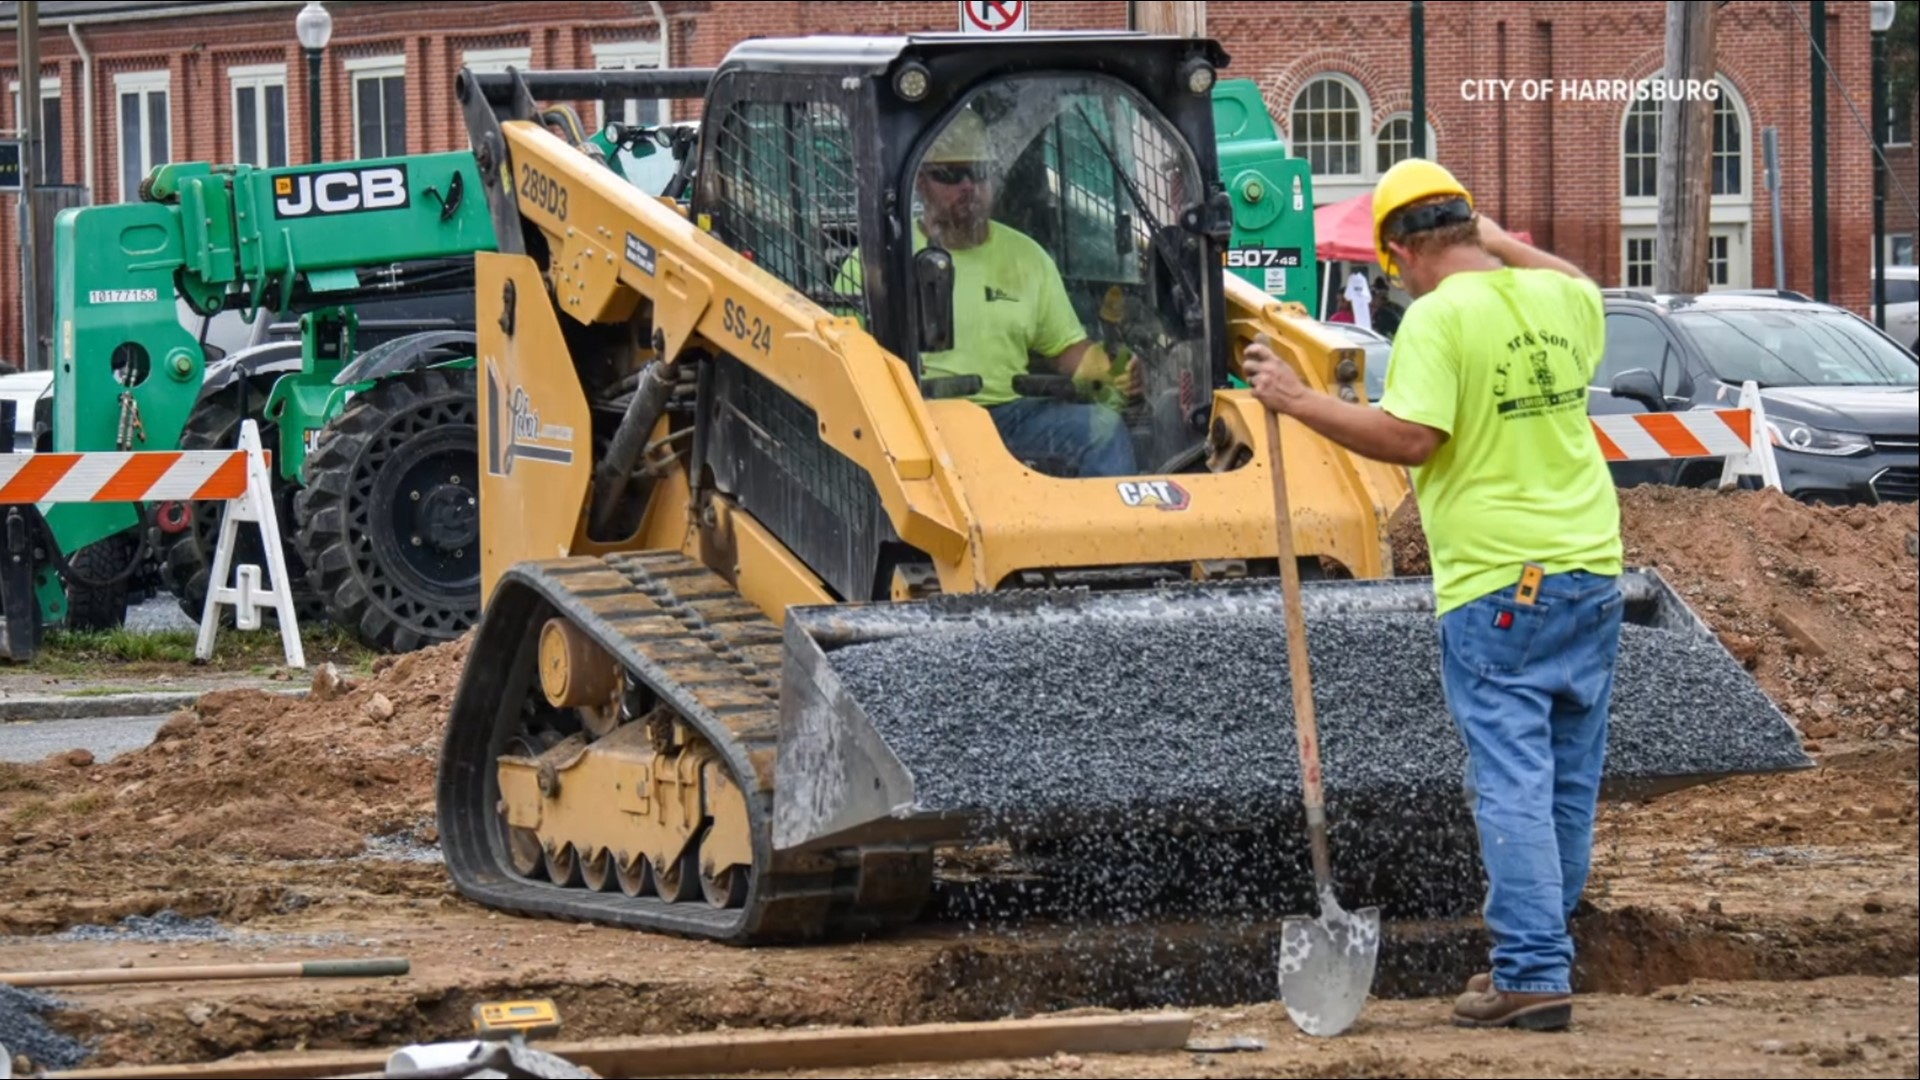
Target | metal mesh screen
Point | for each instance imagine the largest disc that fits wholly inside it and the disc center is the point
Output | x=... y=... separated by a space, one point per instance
x=788 y=195
x=1095 y=148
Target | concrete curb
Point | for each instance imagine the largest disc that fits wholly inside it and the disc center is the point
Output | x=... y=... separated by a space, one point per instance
x=101 y=706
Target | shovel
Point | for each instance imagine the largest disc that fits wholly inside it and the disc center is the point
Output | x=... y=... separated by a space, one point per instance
x=1326 y=964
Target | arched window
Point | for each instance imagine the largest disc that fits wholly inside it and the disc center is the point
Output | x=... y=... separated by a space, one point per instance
x=1729 y=252
x=1328 y=127
x=1640 y=148
x=1394 y=143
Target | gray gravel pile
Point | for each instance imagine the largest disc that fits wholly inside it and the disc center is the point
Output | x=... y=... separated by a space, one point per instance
x=400 y=847
x=171 y=928
x=1133 y=729
x=24 y=1031
x=163 y=928
x=1198 y=712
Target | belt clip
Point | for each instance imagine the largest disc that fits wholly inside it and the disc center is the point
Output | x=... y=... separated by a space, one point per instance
x=1529 y=590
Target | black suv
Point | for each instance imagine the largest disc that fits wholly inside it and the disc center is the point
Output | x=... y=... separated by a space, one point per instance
x=1842 y=398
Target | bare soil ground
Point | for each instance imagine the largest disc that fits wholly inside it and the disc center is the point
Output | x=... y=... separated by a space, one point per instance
x=1758 y=927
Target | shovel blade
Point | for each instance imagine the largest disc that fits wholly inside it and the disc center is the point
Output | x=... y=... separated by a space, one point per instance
x=1327 y=966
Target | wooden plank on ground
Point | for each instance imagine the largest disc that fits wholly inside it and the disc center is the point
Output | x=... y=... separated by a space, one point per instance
x=733 y=1052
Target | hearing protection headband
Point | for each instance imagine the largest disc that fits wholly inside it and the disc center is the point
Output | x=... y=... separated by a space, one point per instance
x=1423 y=218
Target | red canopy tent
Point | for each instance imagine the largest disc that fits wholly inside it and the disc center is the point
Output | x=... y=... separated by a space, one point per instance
x=1343 y=232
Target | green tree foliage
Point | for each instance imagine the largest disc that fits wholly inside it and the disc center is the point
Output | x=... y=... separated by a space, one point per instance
x=1903 y=53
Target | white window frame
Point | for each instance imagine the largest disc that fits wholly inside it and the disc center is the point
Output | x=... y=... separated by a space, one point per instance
x=370 y=67
x=1363 y=112
x=1330 y=187
x=496 y=61
x=1730 y=216
x=49 y=91
x=1739 y=261
x=142 y=83
x=258 y=78
x=628 y=56
x=1379 y=137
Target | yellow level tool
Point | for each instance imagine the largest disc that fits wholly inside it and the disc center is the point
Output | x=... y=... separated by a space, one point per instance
x=527 y=1019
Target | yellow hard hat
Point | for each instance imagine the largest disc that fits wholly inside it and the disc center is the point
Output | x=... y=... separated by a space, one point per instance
x=1406 y=183
x=963 y=142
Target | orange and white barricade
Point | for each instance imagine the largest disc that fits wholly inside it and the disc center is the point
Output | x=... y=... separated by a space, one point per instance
x=237 y=476
x=1738 y=434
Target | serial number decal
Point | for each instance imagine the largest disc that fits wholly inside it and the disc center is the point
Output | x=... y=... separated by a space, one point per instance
x=1254 y=258
x=544 y=191
x=750 y=328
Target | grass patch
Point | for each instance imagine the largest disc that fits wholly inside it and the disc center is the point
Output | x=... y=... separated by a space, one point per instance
x=84 y=805
x=259 y=652
x=14 y=778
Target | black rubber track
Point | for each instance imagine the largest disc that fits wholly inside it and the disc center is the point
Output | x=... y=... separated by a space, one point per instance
x=186 y=557
x=359 y=518
x=712 y=657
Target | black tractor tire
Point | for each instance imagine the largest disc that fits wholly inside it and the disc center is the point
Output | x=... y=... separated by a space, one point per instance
x=390 y=516
x=186 y=556
x=102 y=607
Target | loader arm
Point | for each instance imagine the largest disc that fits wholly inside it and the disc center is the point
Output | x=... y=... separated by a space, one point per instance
x=704 y=295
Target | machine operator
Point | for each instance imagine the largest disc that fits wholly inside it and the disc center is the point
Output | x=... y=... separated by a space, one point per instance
x=1009 y=305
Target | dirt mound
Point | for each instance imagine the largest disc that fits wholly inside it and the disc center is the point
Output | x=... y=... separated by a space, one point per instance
x=1818 y=602
x=243 y=776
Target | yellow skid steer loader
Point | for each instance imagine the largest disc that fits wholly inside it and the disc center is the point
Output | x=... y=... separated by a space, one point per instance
x=892 y=497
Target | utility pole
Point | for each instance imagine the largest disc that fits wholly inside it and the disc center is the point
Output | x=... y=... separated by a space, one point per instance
x=1177 y=18
x=1819 y=186
x=1881 y=22
x=1419 y=17
x=30 y=359
x=1686 y=151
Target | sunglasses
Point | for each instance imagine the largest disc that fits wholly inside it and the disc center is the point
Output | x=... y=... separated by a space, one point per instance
x=954 y=174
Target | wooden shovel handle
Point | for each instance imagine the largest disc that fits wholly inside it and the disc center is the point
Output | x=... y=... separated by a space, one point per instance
x=1306 y=731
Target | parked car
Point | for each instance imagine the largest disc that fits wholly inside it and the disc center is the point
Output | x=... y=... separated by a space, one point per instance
x=1903 y=306
x=1842 y=398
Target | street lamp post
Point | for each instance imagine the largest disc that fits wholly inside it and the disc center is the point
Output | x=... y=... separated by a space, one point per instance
x=1881 y=20
x=314 y=27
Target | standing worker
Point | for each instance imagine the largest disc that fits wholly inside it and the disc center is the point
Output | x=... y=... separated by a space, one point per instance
x=1486 y=404
x=1361 y=298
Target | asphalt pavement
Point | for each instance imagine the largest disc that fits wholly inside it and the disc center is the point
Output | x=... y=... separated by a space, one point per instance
x=106 y=737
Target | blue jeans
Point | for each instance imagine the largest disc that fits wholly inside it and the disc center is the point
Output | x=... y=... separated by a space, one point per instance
x=1530 y=687
x=1090 y=440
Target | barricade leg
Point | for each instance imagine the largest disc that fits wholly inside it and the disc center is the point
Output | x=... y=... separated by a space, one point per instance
x=247 y=597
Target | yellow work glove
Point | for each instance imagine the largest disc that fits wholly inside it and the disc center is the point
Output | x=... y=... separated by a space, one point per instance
x=1100 y=382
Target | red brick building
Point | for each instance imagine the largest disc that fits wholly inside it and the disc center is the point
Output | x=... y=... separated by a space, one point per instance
x=128 y=85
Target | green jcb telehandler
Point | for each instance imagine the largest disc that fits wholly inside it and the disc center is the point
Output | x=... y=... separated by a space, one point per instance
x=349 y=289
x=357 y=277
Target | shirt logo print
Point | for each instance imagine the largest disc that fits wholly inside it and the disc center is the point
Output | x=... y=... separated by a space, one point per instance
x=998 y=294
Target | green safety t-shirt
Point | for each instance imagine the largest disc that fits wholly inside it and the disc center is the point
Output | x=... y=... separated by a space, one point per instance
x=1501 y=362
x=1008 y=301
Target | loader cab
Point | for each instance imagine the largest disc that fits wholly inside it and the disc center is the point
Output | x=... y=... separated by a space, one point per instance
x=1089 y=209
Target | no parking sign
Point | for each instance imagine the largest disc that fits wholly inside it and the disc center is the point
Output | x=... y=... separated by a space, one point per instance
x=993 y=16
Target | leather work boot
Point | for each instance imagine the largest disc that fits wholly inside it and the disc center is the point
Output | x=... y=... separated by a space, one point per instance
x=1480 y=983
x=1491 y=1008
